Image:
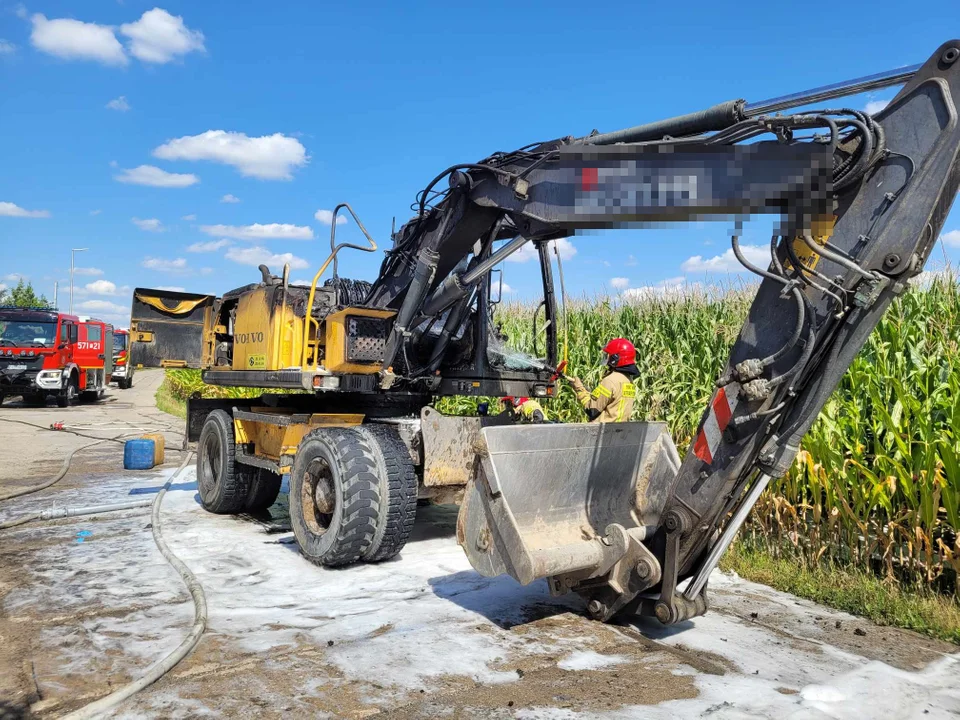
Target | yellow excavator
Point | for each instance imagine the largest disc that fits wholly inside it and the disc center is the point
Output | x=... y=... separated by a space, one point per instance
x=609 y=511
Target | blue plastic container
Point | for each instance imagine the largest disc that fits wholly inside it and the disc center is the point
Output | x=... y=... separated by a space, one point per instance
x=138 y=454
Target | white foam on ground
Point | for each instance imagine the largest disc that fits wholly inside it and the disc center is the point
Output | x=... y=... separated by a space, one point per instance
x=399 y=625
x=589 y=660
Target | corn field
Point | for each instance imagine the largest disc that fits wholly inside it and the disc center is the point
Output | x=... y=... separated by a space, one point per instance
x=876 y=485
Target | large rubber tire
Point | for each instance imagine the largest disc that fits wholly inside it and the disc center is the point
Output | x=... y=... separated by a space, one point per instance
x=264 y=489
x=398 y=493
x=223 y=490
x=334 y=496
x=68 y=396
x=125 y=383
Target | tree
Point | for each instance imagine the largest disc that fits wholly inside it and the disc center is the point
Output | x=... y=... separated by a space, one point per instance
x=23 y=295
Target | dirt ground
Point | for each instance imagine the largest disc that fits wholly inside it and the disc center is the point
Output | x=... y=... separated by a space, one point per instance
x=87 y=604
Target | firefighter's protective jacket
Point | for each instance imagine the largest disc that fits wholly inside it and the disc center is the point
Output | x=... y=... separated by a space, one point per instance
x=611 y=401
x=531 y=411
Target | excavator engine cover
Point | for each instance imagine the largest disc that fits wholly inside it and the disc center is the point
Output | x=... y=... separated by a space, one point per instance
x=565 y=500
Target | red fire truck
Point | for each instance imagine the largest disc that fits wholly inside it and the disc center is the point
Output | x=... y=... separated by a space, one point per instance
x=122 y=369
x=45 y=353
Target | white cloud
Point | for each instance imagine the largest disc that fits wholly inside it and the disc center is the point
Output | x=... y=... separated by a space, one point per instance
x=506 y=289
x=619 y=283
x=261 y=256
x=206 y=271
x=7 y=47
x=119 y=103
x=159 y=37
x=228 y=198
x=211 y=246
x=11 y=210
x=171 y=288
x=950 y=239
x=875 y=106
x=103 y=287
x=3 y=287
x=75 y=40
x=14 y=277
x=150 y=224
x=270 y=231
x=271 y=157
x=177 y=265
x=103 y=306
x=189 y=218
x=302 y=282
x=665 y=288
x=758 y=255
x=96 y=212
x=529 y=251
x=631 y=261
x=326 y=217
x=155 y=177
x=88 y=271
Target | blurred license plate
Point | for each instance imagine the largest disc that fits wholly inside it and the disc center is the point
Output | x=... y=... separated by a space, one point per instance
x=16 y=367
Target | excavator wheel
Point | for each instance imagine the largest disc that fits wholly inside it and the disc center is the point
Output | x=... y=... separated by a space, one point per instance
x=264 y=489
x=223 y=487
x=335 y=495
x=398 y=493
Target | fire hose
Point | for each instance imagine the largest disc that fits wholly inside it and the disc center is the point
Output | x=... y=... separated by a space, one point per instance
x=163 y=666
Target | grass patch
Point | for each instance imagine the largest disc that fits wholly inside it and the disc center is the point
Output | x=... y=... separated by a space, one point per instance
x=168 y=402
x=852 y=591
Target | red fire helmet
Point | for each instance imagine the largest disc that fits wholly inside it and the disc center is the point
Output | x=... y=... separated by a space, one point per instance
x=620 y=352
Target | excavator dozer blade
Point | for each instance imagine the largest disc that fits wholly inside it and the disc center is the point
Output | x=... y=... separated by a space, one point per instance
x=550 y=500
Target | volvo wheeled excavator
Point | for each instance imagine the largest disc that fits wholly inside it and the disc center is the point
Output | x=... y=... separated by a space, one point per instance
x=609 y=511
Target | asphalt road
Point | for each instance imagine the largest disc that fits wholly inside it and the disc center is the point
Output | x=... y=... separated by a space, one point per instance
x=87 y=604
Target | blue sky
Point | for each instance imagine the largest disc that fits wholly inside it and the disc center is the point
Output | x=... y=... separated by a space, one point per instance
x=186 y=142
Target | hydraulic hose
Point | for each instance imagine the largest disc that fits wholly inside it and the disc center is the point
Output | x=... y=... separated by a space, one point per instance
x=798 y=296
x=802 y=272
x=160 y=668
x=836 y=257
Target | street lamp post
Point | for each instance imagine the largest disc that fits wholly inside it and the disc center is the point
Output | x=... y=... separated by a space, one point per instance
x=73 y=253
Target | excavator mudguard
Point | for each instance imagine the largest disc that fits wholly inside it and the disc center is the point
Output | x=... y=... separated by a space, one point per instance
x=566 y=501
x=166 y=328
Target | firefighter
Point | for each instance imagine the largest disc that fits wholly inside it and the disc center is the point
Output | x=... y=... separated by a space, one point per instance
x=525 y=409
x=612 y=400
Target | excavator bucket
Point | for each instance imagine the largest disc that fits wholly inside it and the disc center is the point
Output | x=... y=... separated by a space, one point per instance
x=564 y=500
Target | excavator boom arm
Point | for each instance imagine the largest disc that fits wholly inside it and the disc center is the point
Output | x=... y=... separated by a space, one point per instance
x=862 y=200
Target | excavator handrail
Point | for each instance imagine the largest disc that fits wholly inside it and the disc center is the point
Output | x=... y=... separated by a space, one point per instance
x=334 y=251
